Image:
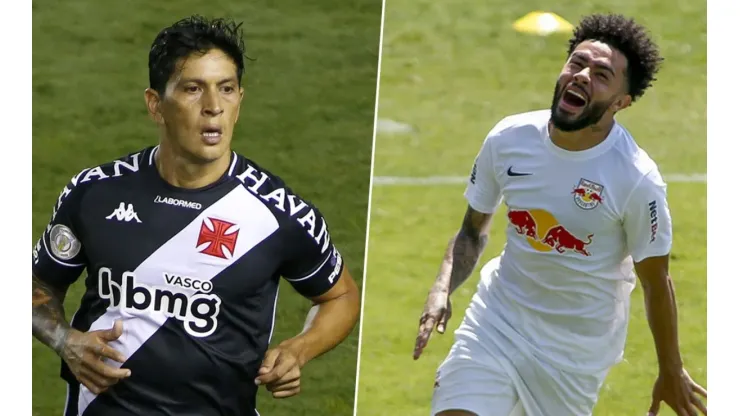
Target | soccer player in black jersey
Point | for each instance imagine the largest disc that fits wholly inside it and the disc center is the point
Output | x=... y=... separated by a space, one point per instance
x=184 y=244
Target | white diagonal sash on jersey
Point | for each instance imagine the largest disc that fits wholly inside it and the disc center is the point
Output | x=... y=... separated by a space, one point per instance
x=255 y=222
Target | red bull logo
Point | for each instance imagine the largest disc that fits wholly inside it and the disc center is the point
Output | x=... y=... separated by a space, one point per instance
x=544 y=233
x=588 y=194
x=524 y=223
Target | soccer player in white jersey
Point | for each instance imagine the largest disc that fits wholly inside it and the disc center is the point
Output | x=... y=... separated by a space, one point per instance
x=585 y=207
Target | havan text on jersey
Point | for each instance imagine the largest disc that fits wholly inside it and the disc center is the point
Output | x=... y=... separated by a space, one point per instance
x=94 y=174
x=252 y=178
x=278 y=198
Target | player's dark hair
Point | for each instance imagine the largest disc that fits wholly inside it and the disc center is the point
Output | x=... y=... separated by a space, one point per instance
x=194 y=34
x=630 y=38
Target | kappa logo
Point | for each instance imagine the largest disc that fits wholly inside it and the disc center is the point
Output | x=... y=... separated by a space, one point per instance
x=217 y=238
x=94 y=174
x=124 y=213
x=588 y=194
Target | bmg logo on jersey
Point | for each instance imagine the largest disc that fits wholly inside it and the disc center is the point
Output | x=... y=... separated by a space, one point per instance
x=197 y=312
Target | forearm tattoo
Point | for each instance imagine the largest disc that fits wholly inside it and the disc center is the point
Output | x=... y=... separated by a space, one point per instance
x=49 y=323
x=466 y=248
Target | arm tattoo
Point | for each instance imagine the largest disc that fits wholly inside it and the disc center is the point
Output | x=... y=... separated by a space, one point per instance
x=464 y=250
x=49 y=324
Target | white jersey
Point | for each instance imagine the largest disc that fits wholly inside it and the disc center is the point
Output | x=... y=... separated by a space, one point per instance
x=576 y=221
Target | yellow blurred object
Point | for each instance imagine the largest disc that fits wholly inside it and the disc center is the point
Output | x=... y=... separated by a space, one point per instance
x=543 y=24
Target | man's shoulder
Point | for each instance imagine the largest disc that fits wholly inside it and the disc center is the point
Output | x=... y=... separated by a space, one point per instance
x=108 y=172
x=536 y=118
x=257 y=177
x=514 y=128
x=627 y=167
x=296 y=213
x=261 y=180
x=634 y=158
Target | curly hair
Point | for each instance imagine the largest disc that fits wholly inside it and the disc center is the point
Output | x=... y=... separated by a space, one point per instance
x=627 y=36
x=189 y=35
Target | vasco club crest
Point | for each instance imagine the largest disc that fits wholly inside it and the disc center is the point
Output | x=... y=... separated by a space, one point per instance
x=588 y=194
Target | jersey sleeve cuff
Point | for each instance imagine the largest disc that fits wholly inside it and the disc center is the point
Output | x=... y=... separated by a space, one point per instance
x=638 y=257
x=322 y=278
x=477 y=205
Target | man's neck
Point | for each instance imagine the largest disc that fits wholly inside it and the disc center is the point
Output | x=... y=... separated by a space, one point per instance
x=583 y=139
x=182 y=172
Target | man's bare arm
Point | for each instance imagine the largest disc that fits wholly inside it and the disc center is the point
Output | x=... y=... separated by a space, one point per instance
x=460 y=259
x=464 y=250
x=660 y=307
x=49 y=323
x=330 y=321
x=674 y=385
x=336 y=314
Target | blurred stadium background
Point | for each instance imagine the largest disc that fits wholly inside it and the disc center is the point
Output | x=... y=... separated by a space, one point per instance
x=307 y=116
x=450 y=70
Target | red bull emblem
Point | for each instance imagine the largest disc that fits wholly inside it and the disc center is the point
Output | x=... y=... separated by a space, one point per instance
x=524 y=223
x=560 y=239
x=588 y=194
x=544 y=233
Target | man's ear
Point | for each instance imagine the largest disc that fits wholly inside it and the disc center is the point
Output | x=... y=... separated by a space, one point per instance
x=153 y=105
x=239 y=106
x=622 y=103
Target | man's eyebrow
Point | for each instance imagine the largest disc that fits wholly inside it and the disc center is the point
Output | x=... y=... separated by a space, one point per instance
x=584 y=57
x=202 y=81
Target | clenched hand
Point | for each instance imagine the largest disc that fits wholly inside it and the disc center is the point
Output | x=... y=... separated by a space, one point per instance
x=280 y=372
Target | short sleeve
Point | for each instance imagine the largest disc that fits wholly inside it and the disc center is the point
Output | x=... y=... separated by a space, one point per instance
x=483 y=191
x=314 y=264
x=58 y=256
x=647 y=219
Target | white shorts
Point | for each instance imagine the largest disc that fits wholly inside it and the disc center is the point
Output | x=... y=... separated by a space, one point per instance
x=488 y=374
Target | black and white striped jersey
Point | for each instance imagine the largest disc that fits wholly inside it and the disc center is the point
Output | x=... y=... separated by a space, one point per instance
x=193 y=275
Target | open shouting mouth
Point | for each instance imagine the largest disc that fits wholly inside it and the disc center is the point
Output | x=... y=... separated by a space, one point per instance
x=574 y=99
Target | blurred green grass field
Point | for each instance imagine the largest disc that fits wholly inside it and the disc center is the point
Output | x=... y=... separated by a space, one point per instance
x=451 y=70
x=307 y=116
